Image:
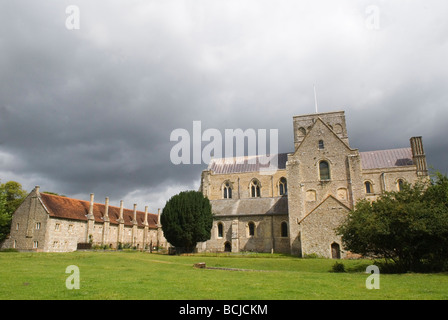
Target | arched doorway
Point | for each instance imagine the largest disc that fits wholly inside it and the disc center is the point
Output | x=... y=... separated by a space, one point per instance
x=335 y=251
x=227 y=247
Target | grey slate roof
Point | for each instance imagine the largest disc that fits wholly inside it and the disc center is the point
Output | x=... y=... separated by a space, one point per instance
x=247 y=163
x=386 y=158
x=250 y=206
x=369 y=159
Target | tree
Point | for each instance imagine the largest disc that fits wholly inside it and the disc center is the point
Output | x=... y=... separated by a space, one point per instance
x=186 y=220
x=11 y=197
x=409 y=227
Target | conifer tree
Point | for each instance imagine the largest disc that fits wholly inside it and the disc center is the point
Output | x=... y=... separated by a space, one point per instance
x=186 y=220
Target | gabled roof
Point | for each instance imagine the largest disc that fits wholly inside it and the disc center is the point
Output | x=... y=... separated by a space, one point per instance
x=326 y=199
x=75 y=209
x=386 y=158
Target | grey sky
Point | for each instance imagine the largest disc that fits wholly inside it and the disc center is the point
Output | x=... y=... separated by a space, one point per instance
x=91 y=110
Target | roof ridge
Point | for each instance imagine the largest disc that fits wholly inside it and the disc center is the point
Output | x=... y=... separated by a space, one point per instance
x=95 y=203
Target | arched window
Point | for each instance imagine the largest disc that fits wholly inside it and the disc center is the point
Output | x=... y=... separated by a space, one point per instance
x=321 y=144
x=369 y=187
x=284 y=229
x=301 y=132
x=220 y=230
x=254 y=188
x=400 y=184
x=251 y=227
x=282 y=186
x=227 y=190
x=324 y=170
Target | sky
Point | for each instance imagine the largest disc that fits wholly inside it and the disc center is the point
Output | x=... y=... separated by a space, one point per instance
x=92 y=90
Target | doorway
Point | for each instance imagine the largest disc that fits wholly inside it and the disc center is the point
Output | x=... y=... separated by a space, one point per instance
x=335 y=251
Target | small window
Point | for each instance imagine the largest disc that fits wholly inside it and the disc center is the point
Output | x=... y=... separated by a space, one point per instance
x=220 y=230
x=324 y=170
x=400 y=184
x=251 y=226
x=37 y=225
x=35 y=244
x=284 y=229
x=227 y=190
x=255 y=189
x=57 y=227
x=321 y=144
x=282 y=187
x=369 y=187
x=17 y=226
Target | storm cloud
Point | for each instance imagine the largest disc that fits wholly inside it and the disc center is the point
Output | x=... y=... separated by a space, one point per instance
x=91 y=110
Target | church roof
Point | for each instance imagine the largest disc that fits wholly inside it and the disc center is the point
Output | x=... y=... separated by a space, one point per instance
x=248 y=163
x=386 y=158
x=75 y=209
x=369 y=159
x=250 y=206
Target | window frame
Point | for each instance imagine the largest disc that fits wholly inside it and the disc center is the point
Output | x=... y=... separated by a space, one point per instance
x=327 y=176
x=282 y=186
x=255 y=188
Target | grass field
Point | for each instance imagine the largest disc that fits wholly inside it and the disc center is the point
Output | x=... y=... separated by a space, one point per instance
x=135 y=275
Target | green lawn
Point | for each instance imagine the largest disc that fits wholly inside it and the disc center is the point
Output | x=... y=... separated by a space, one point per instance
x=135 y=275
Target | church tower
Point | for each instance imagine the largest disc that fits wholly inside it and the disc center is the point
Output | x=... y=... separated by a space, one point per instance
x=334 y=120
x=324 y=180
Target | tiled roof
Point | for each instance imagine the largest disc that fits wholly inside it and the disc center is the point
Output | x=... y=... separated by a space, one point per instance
x=250 y=206
x=386 y=158
x=247 y=163
x=68 y=208
x=369 y=159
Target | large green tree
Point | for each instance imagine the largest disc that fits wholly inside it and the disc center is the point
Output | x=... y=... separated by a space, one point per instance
x=11 y=197
x=409 y=227
x=186 y=220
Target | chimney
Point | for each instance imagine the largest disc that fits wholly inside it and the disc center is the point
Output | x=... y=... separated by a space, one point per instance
x=158 y=218
x=90 y=215
x=37 y=189
x=106 y=209
x=146 y=216
x=121 y=210
x=135 y=213
x=418 y=156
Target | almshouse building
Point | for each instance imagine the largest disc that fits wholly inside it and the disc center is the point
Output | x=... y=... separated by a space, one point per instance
x=296 y=206
x=50 y=223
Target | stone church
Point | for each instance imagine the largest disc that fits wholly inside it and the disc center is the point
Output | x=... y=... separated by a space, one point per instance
x=291 y=209
x=295 y=208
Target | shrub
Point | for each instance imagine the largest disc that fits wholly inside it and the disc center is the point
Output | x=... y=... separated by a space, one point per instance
x=338 y=267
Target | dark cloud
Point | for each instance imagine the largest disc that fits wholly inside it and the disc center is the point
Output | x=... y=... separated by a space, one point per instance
x=91 y=110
